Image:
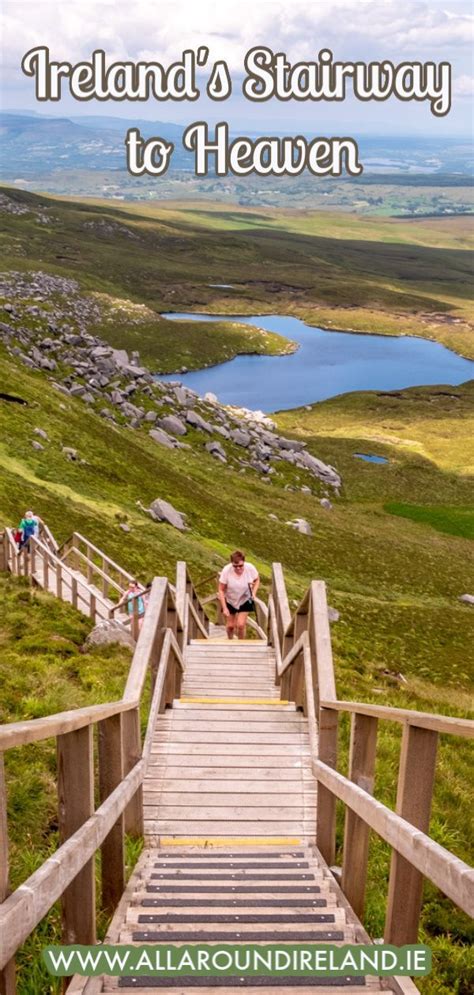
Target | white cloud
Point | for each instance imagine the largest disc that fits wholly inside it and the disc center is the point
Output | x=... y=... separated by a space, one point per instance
x=141 y=29
x=463 y=86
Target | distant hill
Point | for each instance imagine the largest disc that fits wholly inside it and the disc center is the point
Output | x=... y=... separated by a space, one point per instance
x=33 y=143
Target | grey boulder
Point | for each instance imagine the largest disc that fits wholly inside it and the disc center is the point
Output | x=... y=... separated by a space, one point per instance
x=163 y=511
x=108 y=632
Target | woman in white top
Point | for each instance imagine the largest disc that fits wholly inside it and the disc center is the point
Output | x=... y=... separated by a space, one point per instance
x=238 y=585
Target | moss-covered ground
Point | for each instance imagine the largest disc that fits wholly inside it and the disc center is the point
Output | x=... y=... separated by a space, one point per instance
x=395 y=580
x=341 y=271
x=393 y=549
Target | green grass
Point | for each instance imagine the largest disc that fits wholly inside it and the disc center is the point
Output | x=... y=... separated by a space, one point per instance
x=338 y=270
x=395 y=581
x=45 y=669
x=454 y=521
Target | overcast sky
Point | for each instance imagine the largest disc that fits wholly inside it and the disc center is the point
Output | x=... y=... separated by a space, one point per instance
x=400 y=30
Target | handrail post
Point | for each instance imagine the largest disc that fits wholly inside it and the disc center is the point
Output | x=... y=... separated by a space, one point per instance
x=3 y=551
x=135 y=620
x=356 y=832
x=292 y=681
x=110 y=776
x=74 y=591
x=414 y=797
x=59 y=580
x=32 y=556
x=132 y=751
x=326 y=808
x=45 y=571
x=7 y=975
x=76 y=805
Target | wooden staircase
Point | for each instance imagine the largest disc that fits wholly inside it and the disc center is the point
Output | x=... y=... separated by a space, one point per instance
x=234 y=781
x=230 y=759
x=235 y=895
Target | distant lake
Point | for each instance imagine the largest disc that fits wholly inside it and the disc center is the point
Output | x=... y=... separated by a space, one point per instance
x=326 y=364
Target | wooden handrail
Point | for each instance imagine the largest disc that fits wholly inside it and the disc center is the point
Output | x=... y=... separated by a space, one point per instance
x=311 y=684
x=406 y=716
x=53 y=560
x=197 y=620
x=100 y=552
x=49 y=538
x=158 y=651
x=21 y=912
x=96 y=569
x=295 y=651
x=14 y=734
x=454 y=877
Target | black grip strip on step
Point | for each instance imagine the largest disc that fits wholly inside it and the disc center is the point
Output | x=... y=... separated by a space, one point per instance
x=239 y=875
x=230 y=981
x=284 y=903
x=285 y=865
x=192 y=936
x=234 y=889
x=172 y=917
x=228 y=856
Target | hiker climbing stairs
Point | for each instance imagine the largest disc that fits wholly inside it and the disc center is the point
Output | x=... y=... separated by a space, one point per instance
x=232 y=787
x=230 y=759
x=242 y=894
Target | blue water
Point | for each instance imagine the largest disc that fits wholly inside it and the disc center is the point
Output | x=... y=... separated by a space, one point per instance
x=326 y=364
x=371 y=458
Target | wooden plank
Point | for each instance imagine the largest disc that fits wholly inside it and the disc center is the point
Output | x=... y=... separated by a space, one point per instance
x=202 y=709
x=233 y=750
x=21 y=912
x=232 y=775
x=320 y=635
x=283 y=739
x=110 y=776
x=423 y=720
x=246 y=763
x=363 y=750
x=213 y=827
x=75 y=806
x=326 y=811
x=216 y=724
x=453 y=876
x=147 y=639
x=214 y=810
x=20 y=733
x=131 y=753
x=199 y=788
x=414 y=797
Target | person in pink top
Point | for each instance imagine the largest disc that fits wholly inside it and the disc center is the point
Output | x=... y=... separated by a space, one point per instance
x=238 y=585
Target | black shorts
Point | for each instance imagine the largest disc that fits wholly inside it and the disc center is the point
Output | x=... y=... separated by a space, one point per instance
x=248 y=606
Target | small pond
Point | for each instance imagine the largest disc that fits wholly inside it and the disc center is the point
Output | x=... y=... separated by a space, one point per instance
x=371 y=457
x=324 y=365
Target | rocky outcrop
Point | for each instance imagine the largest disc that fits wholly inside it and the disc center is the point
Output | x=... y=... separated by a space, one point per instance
x=59 y=341
x=110 y=632
x=163 y=511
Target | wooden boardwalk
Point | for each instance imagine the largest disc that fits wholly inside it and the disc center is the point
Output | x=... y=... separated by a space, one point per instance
x=230 y=759
x=233 y=784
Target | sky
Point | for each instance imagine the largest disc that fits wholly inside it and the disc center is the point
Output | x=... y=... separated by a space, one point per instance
x=400 y=30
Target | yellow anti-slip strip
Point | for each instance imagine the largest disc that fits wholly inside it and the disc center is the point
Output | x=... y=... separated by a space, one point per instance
x=229 y=841
x=234 y=701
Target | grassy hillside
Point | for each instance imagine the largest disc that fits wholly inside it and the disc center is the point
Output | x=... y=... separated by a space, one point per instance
x=394 y=581
x=336 y=270
x=393 y=549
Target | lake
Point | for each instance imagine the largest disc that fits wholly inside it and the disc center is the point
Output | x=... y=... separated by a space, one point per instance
x=326 y=364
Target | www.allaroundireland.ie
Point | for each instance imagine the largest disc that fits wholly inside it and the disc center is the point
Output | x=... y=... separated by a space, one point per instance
x=311 y=960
